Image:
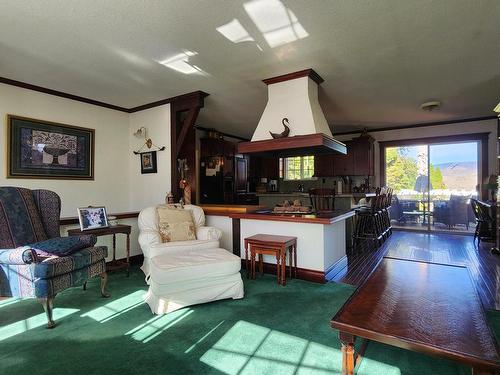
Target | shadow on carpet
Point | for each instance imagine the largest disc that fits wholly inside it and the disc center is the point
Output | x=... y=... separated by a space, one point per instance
x=273 y=330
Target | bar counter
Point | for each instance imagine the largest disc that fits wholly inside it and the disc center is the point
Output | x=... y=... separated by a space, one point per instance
x=319 y=218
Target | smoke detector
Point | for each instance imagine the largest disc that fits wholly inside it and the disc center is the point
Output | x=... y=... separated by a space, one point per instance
x=430 y=106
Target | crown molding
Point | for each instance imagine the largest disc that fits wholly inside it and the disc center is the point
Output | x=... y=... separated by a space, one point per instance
x=61 y=94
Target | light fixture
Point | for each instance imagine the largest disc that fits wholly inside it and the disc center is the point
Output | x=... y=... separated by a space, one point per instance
x=430 y=106
x=141 y=132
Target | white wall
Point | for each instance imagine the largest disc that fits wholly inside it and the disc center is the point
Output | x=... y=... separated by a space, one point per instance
x=118 y=183
x=109 y=187
x=150 y=189
x=486 y=126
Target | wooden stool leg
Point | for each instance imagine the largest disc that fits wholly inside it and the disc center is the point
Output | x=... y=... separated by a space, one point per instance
x=347 y=342
x=278 y=267
x=283 y=266
x=247 y=265
x=295 y=260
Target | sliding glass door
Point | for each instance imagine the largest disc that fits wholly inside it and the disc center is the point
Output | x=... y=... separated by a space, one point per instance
x=433 y=184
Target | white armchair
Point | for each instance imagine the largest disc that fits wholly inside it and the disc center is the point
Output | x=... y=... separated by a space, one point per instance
x=183 y=273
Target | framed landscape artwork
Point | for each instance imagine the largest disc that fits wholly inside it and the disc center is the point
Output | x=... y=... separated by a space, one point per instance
x=42 y=149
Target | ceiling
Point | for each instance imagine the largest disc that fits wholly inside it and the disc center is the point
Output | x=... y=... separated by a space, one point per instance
x=380 y=59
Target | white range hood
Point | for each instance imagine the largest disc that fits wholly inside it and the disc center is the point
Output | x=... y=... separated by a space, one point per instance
x=293 y=101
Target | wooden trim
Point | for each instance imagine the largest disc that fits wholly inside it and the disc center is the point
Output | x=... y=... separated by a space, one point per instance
x=198 y=127
x=119 y=216
x=236 y=237
x=45 y=90
x=302 y=273
x=301 y=73
x=310 y=143
x=227 y=209
x=418 y=125
x=310 y=219
x=483 y=157
x=190 y=95
x=61 y=94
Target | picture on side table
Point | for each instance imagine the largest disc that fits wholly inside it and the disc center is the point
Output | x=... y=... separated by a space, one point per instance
x=148 y=162
x=43 y=149
x=92 y=218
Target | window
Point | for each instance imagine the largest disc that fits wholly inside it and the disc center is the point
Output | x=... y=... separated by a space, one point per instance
x=297 y=168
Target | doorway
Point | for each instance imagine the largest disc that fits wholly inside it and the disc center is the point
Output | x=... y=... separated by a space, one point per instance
x=433 y=181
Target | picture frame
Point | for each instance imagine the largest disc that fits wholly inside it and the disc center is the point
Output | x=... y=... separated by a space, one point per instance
x=92 y=218
x=148 y=162
x=41 y=149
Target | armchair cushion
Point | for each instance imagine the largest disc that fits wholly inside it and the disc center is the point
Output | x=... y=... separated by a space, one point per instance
x=175 y=224
x=63 y=246
x=168 y=247
x=54 y=266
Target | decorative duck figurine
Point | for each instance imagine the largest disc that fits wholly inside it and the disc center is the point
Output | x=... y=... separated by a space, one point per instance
x=285 y=132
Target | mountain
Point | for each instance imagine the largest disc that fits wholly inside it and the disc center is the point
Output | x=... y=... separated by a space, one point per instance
x=460 y=175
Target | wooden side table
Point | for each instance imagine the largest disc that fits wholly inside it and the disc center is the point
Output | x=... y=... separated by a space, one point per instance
x=268 y=244
x=111 y=230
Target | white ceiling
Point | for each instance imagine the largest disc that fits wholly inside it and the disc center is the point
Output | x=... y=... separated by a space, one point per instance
x=380 y=59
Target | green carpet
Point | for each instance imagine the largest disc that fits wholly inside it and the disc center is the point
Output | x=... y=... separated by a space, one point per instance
x=273 y=330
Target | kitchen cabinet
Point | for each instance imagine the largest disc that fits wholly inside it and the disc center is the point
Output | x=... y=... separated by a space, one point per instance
x=358 y=161
x=241 y=172
x=363 y=156
x=323 y=165
x=264 y=167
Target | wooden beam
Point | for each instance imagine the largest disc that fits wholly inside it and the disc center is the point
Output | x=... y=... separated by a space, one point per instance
x=187 y=124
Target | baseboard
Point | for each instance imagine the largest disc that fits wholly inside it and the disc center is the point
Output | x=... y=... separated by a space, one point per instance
x=302 y=273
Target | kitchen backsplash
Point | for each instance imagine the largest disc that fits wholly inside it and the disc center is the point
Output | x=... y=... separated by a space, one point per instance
x=326 y=182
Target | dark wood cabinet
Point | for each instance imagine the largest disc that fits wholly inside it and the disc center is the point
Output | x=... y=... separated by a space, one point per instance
x=357 y=162
x=241 y=174
x=363 y=155
x=264 y=167
x=323 y=165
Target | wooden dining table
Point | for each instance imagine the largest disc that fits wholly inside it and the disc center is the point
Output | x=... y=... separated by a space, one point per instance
x=425 y=307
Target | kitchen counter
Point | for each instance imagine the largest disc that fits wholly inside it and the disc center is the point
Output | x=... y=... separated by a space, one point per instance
x=319 y=218
x=227 y=209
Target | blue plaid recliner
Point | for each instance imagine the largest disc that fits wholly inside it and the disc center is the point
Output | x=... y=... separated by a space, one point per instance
x=29 y=230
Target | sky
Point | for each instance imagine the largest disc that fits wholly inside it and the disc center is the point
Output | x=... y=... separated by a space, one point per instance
x=449 y=153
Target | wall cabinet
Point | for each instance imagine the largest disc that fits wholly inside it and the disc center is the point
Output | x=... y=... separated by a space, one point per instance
x=357 y=162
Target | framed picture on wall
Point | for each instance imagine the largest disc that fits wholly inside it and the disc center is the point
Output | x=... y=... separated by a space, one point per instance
x=92 y=218
x=148 y=162
x=43 y=149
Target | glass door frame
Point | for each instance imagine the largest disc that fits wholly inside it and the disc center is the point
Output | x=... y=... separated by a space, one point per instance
x=482 y=165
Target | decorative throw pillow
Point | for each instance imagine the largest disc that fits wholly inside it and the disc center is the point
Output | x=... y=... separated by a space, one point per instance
x=62 y=246
x=175 y=224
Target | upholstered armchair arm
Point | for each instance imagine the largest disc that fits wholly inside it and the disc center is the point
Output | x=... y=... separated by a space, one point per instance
x=208 y=233
x=20 y=255
x=163 y=248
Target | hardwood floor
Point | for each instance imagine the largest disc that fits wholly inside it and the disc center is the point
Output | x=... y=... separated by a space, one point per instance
x=484 y=268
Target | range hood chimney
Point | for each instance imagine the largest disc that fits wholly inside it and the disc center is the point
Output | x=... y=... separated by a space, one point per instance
x=293 y=123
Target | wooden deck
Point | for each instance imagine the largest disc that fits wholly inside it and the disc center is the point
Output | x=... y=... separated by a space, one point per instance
x=484 y=268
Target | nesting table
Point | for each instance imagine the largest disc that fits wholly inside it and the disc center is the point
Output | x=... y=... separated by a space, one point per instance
x=268 y=244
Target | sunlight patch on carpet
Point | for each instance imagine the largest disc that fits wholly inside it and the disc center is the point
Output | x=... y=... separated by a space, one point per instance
x=249 y=349
x=39 y=320
x=155 y=326
x=9 y=301
x=116 y=308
